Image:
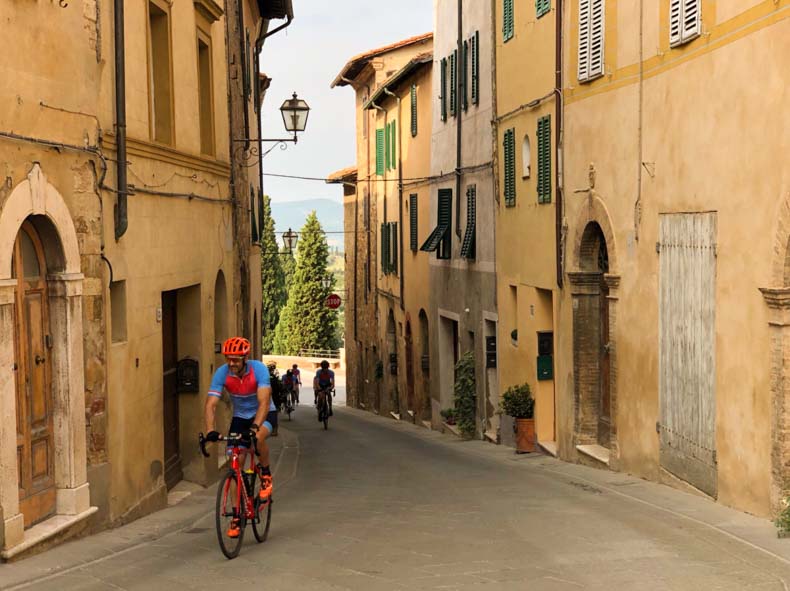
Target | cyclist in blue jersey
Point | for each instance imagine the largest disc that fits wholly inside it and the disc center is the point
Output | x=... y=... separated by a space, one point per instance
x=254 y=412
x=324 y=380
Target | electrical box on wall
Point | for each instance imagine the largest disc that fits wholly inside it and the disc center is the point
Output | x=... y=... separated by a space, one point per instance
x=188 y=375
x=393 y=364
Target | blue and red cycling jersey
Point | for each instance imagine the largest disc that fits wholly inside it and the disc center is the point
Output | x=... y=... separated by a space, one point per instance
x=243 y=390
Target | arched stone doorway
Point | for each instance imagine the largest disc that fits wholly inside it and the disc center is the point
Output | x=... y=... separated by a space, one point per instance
x=391 y=365
x=410 y=396
x=594 y=293
x=425 y=364
x=40 y=327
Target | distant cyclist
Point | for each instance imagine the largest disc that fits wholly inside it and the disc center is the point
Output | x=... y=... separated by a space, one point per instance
x=288 y=384
x=254 y=416
x=324 y=380
x=297 y=381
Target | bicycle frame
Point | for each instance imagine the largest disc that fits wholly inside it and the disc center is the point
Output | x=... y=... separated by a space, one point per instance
x=244 y=500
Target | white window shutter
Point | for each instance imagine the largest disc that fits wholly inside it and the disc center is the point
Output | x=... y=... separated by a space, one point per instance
x=596 y=38
x=691 y=19
x=584 y=39
x=675 y=21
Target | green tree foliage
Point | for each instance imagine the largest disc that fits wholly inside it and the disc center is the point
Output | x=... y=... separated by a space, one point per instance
x=305 y=321
x=465 y=394
x=272 y=279
x=288 y=263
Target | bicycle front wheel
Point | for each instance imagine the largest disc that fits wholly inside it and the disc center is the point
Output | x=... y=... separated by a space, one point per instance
x=230 y=518
x=326 y=416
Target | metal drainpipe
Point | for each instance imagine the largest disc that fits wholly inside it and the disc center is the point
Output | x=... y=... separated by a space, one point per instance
x=559 y=133
x=400 y=195
x=121 y=212
x=458 y=111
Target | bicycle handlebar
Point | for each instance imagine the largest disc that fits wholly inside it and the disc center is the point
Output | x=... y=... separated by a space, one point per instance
x=231 y=438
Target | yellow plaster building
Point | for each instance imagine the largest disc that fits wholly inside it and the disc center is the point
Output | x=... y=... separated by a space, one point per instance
x=677 y=237
x=373 y=293
x=121 y=226
x=525 y=129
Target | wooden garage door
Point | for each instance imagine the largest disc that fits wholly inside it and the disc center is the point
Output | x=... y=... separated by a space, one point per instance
x=687 y=347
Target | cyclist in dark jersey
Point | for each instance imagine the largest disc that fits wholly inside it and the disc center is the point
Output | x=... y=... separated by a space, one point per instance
x=324 y=380
x=247 y=383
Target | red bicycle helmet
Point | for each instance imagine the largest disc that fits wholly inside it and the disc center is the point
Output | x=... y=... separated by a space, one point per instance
x=236 y=346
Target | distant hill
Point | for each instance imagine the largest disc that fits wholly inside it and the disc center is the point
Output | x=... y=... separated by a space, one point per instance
x=292 y=214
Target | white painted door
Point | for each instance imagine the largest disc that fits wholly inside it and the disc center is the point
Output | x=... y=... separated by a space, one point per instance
x=687 y=347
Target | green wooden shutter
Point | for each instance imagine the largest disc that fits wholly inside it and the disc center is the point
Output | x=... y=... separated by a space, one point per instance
x=453 y=83
x=413 y=222
x=544 y=159
x=475 y=41
x=380 y=151
x=465 y=78
x=383 y=248
x=387 y=146
x=413 y=110
x=445 y=218
x=509 y=146
x=393 y=149
x=542 y=7
x=507 y=20
x=443 y=90
x=468 y=247
x=394 y=247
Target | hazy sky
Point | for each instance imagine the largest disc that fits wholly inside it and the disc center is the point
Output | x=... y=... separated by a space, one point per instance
x=306 y=57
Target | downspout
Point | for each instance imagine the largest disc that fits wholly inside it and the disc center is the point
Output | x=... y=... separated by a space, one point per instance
x=558 y=207
x=400 y=195
x=245 y=73
x=458 y=116
x=121 y=211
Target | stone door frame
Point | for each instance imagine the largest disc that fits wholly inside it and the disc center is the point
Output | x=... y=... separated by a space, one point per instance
x=584 y=283
x=36 y=197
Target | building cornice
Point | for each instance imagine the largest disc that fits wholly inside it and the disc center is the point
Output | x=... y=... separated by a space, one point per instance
x=153 y=151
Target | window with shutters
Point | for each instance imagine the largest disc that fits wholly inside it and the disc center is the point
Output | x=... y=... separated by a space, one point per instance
x=443 y=89
x=544 y=159
x=526 y=157
x=385 y=248
x=413 y=110
x=507 y=20
x=453 y=83
x=380 y=151
x=591 y=39
x=474 y=44
x=440 y=239
x=542 y=7
x=468 y=246
x=684 y=21
x=509 y=148
x=387 y=146
x=413 y=222
x=159 y=74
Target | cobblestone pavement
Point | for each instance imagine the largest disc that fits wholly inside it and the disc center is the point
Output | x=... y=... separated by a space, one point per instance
x=376 y=504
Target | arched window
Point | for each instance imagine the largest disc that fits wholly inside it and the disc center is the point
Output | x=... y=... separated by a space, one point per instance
x=526 y=155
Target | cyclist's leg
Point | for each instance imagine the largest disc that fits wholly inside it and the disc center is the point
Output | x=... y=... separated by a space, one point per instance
x=269 y=425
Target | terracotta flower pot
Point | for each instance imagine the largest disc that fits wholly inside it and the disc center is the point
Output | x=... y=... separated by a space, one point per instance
x=525 y=435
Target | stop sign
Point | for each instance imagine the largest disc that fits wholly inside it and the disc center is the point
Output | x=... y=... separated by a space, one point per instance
x=333 y=301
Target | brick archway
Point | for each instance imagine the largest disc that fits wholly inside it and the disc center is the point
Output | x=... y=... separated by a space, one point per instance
x=38 y=201
x=777 y=298
x=594 y=288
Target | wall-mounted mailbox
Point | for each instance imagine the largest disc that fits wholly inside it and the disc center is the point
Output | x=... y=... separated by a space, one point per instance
x=490 y=352
x=545 y=367
x=394 y=364
x=425 y=363
x=188 y=375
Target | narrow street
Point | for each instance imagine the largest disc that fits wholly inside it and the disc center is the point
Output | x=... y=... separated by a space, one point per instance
x=375 y=504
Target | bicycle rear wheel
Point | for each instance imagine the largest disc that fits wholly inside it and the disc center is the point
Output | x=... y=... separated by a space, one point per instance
x=228 y=509
x=289 y=405
x=263 y=513
x=326 y=415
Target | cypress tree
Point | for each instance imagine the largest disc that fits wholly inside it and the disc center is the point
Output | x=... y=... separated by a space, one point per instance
x=272 y=279
x=305 y=321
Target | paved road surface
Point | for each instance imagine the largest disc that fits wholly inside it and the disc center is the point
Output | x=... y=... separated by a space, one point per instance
x=374 y=504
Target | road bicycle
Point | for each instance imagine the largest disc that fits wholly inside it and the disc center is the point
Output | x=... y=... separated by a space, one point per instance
x=288 y=405
x=238 y=496
x=323 y=406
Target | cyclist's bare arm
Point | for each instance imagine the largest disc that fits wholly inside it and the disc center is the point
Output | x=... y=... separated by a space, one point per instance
x=210 y=412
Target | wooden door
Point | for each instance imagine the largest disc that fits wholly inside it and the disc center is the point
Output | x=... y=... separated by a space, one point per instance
x=687 y=347
x=604 y=409
x=34 y=399
x=409 y=369
x=173 y=471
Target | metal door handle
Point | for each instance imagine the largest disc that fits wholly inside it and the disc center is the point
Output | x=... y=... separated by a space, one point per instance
x=39 y=359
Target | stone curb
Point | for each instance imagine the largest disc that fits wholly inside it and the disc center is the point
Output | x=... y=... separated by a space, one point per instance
x=80 y=552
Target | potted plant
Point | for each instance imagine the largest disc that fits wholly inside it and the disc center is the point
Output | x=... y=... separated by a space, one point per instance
x=448 y=414
x=517 y=402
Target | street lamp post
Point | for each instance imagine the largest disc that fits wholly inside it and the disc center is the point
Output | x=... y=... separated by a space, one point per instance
x=326 y=282
x=289 y=240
